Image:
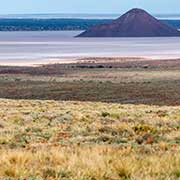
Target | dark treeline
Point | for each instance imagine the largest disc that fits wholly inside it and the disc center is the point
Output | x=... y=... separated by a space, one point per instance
x=58 y=24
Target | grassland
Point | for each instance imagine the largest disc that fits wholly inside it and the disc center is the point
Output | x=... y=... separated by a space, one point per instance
x=89 y=141
x=116 y=123
x=136 y=85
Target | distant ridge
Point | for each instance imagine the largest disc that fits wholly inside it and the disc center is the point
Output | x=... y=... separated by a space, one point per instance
x=134 y=23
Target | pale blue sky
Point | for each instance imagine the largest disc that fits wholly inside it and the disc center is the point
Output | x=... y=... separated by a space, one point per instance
x=87 y=6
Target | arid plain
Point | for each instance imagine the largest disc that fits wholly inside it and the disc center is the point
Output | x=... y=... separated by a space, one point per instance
x=97 y=119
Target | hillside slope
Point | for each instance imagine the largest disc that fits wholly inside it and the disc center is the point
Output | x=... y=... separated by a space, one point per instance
x=134 y=23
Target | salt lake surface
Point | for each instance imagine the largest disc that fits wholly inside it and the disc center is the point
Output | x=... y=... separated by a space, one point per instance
x=42 y=47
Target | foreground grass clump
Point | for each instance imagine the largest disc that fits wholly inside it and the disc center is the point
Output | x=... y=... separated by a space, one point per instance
x=89 y=163
x=88 y=141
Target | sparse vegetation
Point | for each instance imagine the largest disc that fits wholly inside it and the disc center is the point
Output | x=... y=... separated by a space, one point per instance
x=75 y=140
x=123 y=139
x=152 y=86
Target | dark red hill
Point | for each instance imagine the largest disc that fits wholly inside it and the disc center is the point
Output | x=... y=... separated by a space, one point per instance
x=134 y=23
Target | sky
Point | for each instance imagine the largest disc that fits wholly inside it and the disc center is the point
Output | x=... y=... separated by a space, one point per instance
x=87 y=6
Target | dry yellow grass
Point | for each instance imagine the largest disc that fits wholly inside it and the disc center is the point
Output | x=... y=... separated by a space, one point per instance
x=57 y=140
x=88 y=163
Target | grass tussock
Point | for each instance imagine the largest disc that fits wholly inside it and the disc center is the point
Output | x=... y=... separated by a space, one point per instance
x=88 y=141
